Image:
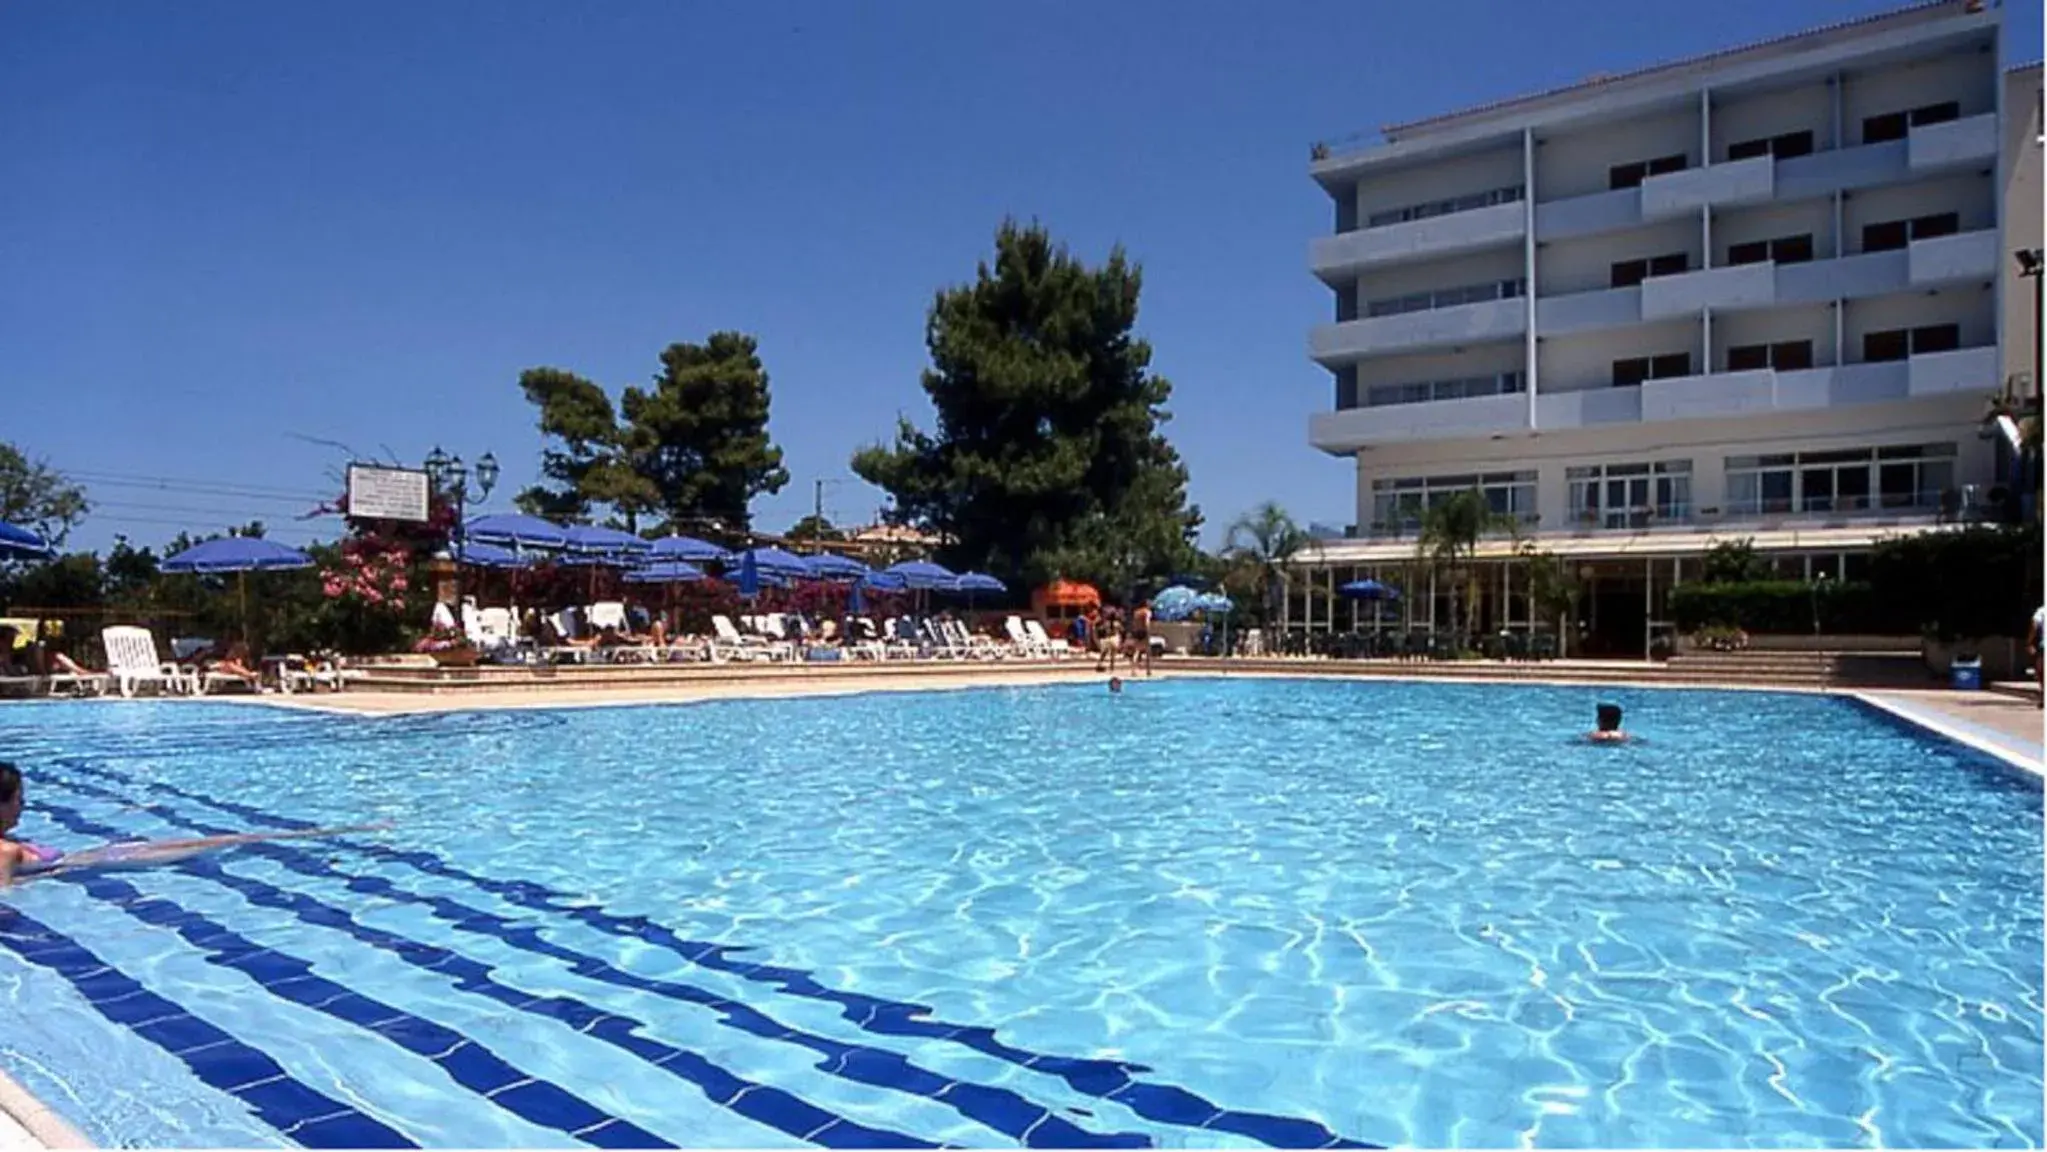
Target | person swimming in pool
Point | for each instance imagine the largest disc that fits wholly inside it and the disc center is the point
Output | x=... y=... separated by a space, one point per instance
x=21 y=860
x=1609 y=730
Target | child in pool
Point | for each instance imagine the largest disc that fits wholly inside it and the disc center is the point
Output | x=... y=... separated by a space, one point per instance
x=22 y=860
x=1609 y=730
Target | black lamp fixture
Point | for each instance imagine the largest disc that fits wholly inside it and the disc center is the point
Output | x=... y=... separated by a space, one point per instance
x=452 y=477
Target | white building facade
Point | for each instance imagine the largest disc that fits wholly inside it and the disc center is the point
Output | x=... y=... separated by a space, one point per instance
x=1756 y=295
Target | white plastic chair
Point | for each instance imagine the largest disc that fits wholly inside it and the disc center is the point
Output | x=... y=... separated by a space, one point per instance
x=1057 y=649
x=132 y=661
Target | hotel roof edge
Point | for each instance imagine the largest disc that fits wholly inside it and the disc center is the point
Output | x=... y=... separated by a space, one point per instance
x=1419 y=131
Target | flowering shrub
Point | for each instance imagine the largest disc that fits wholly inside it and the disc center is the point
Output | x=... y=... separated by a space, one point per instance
x=441 y=640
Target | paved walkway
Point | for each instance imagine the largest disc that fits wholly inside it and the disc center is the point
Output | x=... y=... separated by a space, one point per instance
x=2003 y=723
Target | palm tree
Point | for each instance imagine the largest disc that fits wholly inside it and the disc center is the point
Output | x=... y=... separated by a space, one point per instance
x=1449 y=543
x=1554 y=589
x=1264 y=541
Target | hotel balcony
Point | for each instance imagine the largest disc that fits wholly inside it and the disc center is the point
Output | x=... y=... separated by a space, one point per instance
x=1338 y=259
x=1929 y=263
x=1723 y=395
x=1332 y=345
x=1928 y=150
x=1344 y=432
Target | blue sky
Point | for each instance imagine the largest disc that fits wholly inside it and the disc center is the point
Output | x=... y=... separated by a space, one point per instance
x=227 y=225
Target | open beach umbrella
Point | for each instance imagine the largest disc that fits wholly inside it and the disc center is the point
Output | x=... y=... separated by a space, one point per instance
x=492 y=556
x=687 y=548
x=19 y=543
x=969 y=583
x=1368 y=590
x=777 y=563
x=597 y=540
x=513 y=530
x=240 y=555
x=664 y=572
x=924 y=576
x=833 y=566
x=1177 y=602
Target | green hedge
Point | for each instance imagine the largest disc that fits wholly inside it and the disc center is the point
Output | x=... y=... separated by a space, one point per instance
x=1976 y=582
x=1782 y=606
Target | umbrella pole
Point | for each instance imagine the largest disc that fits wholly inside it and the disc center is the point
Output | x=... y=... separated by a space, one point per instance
x=242 y=594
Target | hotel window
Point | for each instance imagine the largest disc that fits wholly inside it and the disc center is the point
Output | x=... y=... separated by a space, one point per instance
x=1461 y=388
x=1401 y=503
x=1628 y=373
x=1760 y=485
x=1788 y=356
x=1628 y=273
x=1782 y=147
x=1510 y=194
x=1899 y=343
x=1910 y=476
x=1630 y=495
x=1782 y=250
x=1914 y=475
x=1894 y=125
x=1894 y=234
x=1632 y=175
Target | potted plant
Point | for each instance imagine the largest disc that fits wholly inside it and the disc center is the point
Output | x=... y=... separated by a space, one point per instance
x=449 y=648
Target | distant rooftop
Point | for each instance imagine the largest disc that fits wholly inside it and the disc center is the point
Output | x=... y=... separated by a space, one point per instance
x=1928 y=11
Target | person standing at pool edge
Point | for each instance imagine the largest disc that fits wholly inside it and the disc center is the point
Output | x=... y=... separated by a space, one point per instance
x=2033 y=637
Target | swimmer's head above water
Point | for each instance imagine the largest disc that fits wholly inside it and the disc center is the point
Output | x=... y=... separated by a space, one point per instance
x=10 y=797
x=1609 y=730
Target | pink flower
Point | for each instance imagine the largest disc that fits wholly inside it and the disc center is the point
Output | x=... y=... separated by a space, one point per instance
x=398 y=603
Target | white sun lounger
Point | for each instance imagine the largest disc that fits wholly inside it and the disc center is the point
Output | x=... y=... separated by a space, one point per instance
x=132 y=661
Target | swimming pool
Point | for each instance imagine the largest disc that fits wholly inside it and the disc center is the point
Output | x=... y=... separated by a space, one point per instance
x=1203 y=913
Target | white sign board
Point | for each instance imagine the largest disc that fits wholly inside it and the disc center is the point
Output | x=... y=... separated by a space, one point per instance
x=386 y=493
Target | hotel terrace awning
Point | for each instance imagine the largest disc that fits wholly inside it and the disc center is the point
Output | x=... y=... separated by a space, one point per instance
x=1629 y=545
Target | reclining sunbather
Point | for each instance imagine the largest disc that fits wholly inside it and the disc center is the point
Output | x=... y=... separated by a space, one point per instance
x=23 y=861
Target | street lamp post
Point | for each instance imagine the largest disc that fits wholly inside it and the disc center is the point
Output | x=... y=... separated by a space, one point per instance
x=2030 y=268
x=452 y=477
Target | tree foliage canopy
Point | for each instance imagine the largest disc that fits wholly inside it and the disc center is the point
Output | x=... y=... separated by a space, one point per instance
x=692 y=449
x=37 y=496
x=1047 y=458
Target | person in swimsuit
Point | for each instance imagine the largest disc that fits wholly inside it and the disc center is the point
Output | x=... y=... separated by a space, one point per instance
x=1140 y=637
x=20 y=860
x=1110 y=640
x=1609 y=730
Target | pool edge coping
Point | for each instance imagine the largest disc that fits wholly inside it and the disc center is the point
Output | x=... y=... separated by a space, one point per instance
x=1953 y=729
x=46 y=1128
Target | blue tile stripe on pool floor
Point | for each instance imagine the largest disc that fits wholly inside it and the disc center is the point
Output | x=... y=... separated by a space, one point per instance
x=1104 y=1079
x=1000 y=1109
x=466 y=1062
x=224 y=1063
x=555 y=1108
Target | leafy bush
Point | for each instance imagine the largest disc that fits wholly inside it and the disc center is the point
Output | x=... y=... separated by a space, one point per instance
x=1780 y=606
x=1981 y=581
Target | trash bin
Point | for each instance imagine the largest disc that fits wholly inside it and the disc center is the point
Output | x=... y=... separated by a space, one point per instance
x=1967 y=674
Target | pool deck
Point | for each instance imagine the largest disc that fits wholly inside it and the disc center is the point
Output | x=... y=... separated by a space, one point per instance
x=2002 y=725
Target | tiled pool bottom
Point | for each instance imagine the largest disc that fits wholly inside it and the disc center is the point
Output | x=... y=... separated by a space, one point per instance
x=739 y=952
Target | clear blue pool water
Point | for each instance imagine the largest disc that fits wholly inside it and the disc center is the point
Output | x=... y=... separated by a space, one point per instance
x=1201 y=914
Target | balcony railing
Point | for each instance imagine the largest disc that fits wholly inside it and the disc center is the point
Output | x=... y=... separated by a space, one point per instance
x=1511 y=289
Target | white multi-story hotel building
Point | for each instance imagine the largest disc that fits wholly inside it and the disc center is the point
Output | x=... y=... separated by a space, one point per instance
x=1754 y=294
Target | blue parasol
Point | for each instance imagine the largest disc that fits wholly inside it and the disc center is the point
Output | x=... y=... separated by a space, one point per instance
x=239 y=555
x=492 y=556
x=664 y=572
x=19 y=543
x=832 y=566
x=923 y=575
x=687 y=548
x=513 y=530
